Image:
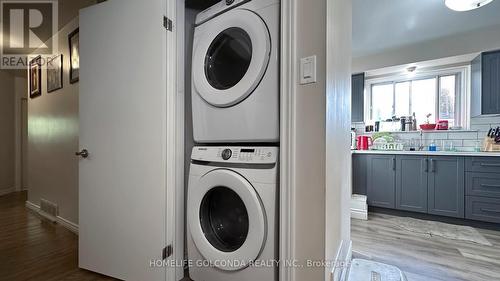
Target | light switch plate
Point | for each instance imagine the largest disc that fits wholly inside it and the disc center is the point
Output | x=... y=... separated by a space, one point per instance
x=308 y=70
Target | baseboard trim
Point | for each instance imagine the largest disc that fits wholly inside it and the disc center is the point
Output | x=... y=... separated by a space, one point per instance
x=71 y=226
x=359 y=214
x=7 y=191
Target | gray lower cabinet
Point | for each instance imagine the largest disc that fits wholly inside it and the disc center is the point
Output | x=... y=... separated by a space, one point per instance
x=440 y=185
x=446 y=189
x=411 y=183
x=381 y=181
x=359 y=172
x=483 y=209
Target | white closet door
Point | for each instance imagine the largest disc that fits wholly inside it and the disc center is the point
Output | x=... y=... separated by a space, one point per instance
x=123 y=127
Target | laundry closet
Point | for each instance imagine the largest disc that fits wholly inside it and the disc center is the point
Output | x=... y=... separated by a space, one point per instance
x=231 y=98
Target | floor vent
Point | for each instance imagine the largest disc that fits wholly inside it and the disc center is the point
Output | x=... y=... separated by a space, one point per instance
x=48 y=209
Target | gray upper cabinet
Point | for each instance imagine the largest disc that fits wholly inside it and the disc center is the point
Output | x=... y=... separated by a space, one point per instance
x=358 y=97
x=486 y=84
x=359 y=173
x=411 y=183
x=381 y=186
x=446 y=189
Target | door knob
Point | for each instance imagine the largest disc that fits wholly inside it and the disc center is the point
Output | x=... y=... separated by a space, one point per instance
x=84 y=153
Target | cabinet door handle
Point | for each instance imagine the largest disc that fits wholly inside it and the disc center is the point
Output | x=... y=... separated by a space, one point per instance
x=490 y=211
x=433 y=167
x=489 y=165
x=394 y=164
x=490 y=185
x=426 y=165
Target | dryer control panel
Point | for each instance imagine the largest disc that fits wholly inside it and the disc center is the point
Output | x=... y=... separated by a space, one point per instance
x=233 y=154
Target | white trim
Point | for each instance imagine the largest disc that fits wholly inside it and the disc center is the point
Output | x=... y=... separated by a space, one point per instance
x=287 y=137
x=174 y=201
x=359 y=214
x=179 y=30
x=71 y=226
x=7 y=191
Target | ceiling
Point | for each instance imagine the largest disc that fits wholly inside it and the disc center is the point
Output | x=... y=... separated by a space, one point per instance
x=382 y=25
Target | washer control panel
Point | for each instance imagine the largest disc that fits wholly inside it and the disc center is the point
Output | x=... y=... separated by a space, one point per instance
x=232 y=154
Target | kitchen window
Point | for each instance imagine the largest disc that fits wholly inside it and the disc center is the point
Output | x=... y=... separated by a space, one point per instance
x=440 y=93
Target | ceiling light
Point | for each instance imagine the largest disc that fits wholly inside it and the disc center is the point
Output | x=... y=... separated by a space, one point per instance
x=411 y=69
x=465 y=5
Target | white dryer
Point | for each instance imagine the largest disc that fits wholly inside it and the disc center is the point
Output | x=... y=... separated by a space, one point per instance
x=235 y=72
x=232 y=210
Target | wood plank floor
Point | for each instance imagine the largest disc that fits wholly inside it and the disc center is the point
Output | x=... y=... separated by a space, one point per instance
x=33 y=249
x=425 y=258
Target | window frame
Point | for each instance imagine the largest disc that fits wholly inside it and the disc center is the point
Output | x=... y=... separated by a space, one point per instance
x=462 y=90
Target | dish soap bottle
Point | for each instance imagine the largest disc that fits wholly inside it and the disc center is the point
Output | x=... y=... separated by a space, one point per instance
x=432 y=146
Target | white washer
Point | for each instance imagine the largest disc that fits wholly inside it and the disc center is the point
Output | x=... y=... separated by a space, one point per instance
x=235 y=72
x=232 y=210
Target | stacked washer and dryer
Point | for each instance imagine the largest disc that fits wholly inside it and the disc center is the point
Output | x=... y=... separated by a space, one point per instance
x=232 y=205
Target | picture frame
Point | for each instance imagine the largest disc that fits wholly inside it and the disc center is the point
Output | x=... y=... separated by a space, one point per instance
x=35 y=76
x=54 y=73
x=74 y=56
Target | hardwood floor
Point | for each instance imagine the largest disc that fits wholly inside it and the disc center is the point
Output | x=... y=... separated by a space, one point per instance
x=425 y=258
x=33 y=249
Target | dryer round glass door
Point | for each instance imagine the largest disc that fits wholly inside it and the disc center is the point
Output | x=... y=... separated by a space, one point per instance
x=230 y=57
x=226 y=219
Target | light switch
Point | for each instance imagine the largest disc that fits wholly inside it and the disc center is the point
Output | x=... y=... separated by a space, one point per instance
x=308 y=70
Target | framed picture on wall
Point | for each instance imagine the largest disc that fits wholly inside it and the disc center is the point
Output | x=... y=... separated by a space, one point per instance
x=54 y=73
x=35 y=76
x=74 y=56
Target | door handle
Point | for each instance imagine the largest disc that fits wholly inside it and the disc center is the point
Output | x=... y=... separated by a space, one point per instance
x=489 y=165
x=84 y=153
x=426 y=169
x=433 y=167
x=394 y=164
x=490 y=211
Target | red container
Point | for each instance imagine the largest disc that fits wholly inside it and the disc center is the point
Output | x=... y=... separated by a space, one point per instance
x=364 y=142
x=442 y=125
x=428 y=127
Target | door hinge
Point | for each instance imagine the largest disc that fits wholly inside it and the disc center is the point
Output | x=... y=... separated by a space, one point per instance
x=167 y=23
x=167 y=252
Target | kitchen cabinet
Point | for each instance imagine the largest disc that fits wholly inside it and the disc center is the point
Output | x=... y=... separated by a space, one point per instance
x=485 y=80
x=358 y=97
x=446 y=188
x=359 y=172
x=381 y=180
x=411 y=183
x=482 y=186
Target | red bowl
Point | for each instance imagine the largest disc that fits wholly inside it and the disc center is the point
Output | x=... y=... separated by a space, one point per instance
x=428 y=127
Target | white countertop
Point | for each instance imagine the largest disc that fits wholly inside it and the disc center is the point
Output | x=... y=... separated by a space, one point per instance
x=436 y=153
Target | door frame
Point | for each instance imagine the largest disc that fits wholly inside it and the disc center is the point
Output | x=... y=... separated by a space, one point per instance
x=288 y=82
x=174 y=216
x=288 y=70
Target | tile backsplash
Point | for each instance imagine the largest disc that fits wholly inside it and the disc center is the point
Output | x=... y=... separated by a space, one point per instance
x=463 y=140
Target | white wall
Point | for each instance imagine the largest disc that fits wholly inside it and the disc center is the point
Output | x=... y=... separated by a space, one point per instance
x=459 y=44
x=53 y=140
x=7 y=155
x=21 y=92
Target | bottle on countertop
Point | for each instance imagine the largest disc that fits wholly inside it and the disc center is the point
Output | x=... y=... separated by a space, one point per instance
x=353 y=139
x=414 y=123
x=433 y=146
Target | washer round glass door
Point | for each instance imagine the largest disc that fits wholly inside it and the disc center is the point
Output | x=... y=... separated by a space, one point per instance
x=230 y=57
x=226 y=219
